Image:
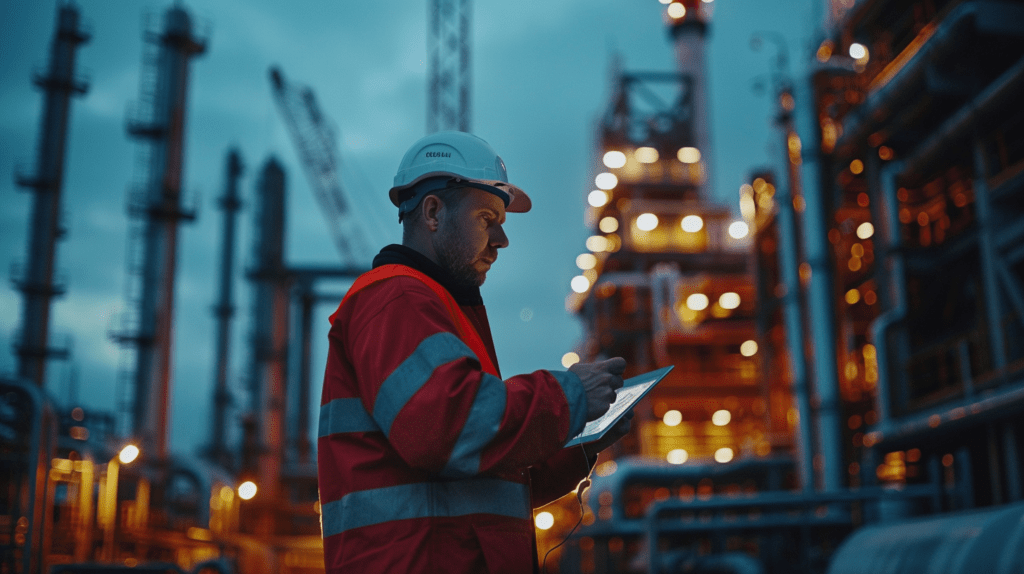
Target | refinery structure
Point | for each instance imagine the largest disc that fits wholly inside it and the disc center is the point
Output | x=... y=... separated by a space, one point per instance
x=847 y=331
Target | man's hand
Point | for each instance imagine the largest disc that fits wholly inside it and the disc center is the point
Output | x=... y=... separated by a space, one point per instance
x=611 y=437
x=600 y=380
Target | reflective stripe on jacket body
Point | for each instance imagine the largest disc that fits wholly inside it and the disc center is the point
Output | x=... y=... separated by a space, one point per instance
x=425 y=455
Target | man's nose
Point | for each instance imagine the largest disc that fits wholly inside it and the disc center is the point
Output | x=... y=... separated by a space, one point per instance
x=498 y=237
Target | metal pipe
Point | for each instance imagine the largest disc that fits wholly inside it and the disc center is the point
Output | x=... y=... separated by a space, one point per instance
x=792 y=309
x=38 y=285
x=820 y=295
x=990 y=279
x=890 y=231
x=903 y=84
x=989 y=105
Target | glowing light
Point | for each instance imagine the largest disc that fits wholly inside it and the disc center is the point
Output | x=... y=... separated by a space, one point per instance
x=748 y=348
x=676 y=10
x=665 y=1
x=721 y=418
x=677 y=456
x=858 y=51
x=247 y=490
x=856 y=167
x=586 y=261
x=729 y=300
x=569 y=359
x=597 y=198
x=580 y=284
x=697 y=302
x=606 y=180
x=608 y=224
x=852 y=296
x=865 y=230
x=692 y=223
x=646 y=221
x=615 y=159
x=544 y=520
x=738 y=229
x=128 y=454
x=597 y=243
x=723 y=455
x=824 y=51
x=688 y=155
x=646 y=155
x=747 y=206
x=672 y=418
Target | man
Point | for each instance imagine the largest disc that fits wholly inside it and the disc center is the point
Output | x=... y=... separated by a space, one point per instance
x=428 y=460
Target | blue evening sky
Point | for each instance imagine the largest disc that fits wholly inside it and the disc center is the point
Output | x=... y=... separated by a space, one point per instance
x=540 y=80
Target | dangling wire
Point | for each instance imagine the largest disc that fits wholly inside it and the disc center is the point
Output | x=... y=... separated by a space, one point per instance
x=585 y=483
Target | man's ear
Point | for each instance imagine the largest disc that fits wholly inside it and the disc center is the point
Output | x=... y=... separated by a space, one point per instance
x=432 y=207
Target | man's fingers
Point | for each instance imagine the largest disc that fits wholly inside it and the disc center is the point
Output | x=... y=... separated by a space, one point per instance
x=615 y=365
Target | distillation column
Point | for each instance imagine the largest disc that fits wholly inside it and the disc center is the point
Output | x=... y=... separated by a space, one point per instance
x=223 y=312
x=158 y=203
x=688 y=34
x=37 y=283
x=271 y=299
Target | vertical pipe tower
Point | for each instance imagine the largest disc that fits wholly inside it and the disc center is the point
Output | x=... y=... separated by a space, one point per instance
x=688 y=33
x=224 y=311
x=161 y=128
x=266 y=424
x=37 y=282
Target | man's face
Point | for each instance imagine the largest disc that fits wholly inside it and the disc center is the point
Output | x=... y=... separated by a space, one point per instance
x=468 y=237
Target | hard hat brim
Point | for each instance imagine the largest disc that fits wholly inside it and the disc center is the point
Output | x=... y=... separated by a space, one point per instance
x=520 y=202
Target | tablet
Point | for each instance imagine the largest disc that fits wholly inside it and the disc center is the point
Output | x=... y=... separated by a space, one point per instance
x=626 y=398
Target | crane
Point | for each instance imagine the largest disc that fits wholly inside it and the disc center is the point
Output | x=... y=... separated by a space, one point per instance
x=315 y=139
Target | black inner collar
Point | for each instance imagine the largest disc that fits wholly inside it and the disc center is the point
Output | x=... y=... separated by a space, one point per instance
x=402 y=255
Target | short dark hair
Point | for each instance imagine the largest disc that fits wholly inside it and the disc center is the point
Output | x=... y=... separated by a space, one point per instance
x=451 y=197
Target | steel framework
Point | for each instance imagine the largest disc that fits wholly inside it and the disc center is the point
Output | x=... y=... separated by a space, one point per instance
x=450 y=77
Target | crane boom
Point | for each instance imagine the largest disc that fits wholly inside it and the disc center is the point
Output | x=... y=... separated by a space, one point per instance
x=317 y=147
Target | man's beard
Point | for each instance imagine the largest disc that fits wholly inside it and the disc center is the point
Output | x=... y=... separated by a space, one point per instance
x=456 y=256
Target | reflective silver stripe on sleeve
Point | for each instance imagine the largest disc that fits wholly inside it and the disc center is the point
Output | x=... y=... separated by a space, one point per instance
x=482 y=424
x=577 y=398
x=413 y=373
x=345 y=415
x=425 y=500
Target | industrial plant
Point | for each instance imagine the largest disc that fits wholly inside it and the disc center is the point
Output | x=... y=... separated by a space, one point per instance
x=846 y=327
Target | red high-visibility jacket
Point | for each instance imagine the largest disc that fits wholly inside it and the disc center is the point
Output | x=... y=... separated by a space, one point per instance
x=427 y=460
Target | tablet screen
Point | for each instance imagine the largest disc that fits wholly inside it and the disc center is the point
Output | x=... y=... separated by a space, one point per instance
x=626 y=398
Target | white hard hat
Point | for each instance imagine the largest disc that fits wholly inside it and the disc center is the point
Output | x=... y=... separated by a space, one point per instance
x=461 y=158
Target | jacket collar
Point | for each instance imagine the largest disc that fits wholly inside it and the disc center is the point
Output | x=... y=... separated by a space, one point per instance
x=402 y=255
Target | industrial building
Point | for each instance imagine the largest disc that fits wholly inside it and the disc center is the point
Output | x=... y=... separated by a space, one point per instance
x=847 y=335
x=877 y=427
